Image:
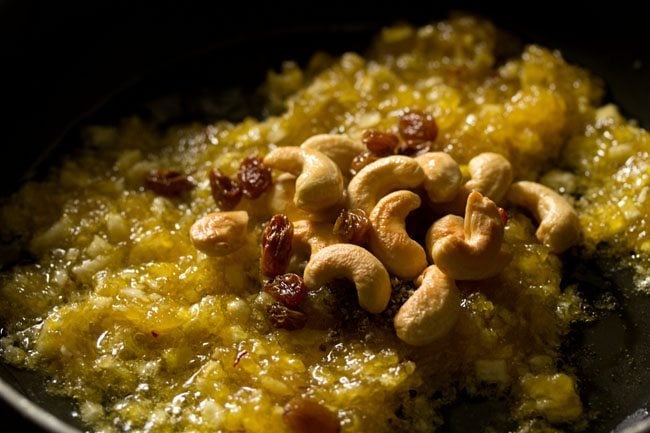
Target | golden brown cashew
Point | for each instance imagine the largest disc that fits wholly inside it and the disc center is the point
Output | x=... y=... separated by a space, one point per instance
x=279 y=198
x=431 y=311
x=491 y=175
x=381 y=177
x=312 y=236
x=476 y=252
x=389 y=241
x=338 y=148
x=354 y=263
x=443 y=176
x=559 y=226
x=449 y=225
x=220 y=233
x=319 y=184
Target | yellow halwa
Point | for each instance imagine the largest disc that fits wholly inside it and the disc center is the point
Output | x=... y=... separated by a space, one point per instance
x=147 y=334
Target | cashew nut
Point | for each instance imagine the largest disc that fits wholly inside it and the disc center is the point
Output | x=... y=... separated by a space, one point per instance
x=280 y=198
x=319 y=184
x=443 y=176
x=390 y=242
x=312 y=236
x=381 y=177
x=559 y=226
x=449 y=225
x=431 y=311
x=220 y=233
x=357 y=264
x=491 y=175
x=473 y=248
x=338 y=148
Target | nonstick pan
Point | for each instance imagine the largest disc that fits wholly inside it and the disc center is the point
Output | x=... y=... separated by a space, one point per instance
x=71 y=64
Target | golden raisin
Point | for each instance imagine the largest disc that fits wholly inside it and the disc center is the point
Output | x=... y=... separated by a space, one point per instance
x=276 y=246
x=380 y=143
x=352 y=226
x=225 y=191
x=284 y=317
x=416 y=126
x=288 y=289
x=307 y=416
x=168 y=182
x=361 y=160
x=254 y=177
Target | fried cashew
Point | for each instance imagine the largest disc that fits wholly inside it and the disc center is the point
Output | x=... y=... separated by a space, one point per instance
x=490 y=174
x=338 y=148
x=220 y=233
x=559 y=226
x=381 y=177
x=431 y=311
x=319 y=185
x=449 y=225
x=279 y=198
x=354 y=263
x=471 y=248
x=443 y=176
x=390 y=242
x=312 y=236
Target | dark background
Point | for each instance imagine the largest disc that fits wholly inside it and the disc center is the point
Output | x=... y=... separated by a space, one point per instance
x=65 y=58
x=62 y=60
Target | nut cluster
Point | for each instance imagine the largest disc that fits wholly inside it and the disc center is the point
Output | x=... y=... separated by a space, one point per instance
x=343 y=204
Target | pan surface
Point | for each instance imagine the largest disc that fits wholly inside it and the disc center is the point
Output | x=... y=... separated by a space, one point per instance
x=611 y=355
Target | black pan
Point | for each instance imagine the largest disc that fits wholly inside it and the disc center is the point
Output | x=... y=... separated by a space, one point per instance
x=71 y=64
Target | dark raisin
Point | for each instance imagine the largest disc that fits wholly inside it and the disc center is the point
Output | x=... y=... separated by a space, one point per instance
x=380 y=143
x=276 y=246
x=352 y=226
x=284 y=317
x=289 y=289
x=306 y=416
x=414 y=149
x=416 y=126
x=225 y=191
x=167 y=182
x=504 y=215
x=254 y=177
x=361 y=160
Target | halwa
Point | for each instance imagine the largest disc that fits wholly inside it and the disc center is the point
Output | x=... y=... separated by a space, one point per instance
x=150 y=328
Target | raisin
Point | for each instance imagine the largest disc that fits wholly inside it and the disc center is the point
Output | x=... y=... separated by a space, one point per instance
x=307 y=416
x=504 y=215
x=380 y=143
x=284 y=317
x=416 y=126
x=254 y=177
x=414 y=149
x=361 y=160
x=276 y=246
x=168 y=182
x=225 y=191
x=352 y=226
x=287 y=288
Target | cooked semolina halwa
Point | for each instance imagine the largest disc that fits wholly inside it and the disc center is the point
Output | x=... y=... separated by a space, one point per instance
x=148 y=333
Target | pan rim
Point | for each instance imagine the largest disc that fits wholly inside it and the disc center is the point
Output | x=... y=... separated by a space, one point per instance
x=32 y=411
